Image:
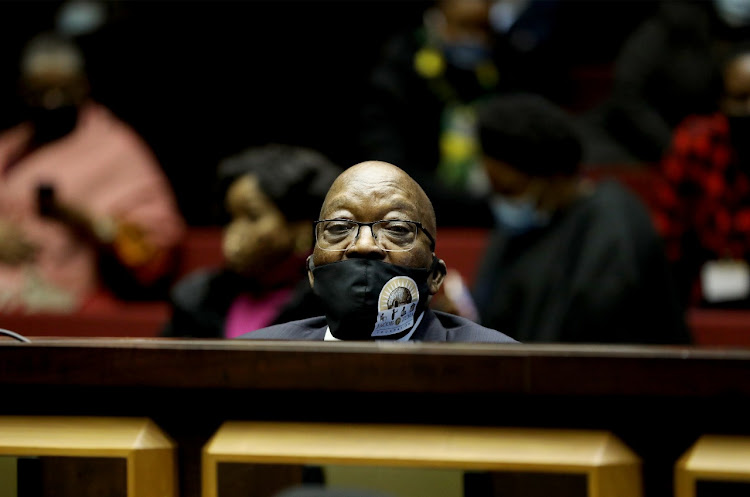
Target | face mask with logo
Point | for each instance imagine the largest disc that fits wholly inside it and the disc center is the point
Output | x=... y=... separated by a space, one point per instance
x=366 y=299
x=517 y=216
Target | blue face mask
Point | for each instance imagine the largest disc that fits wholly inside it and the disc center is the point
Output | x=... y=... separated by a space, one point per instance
x=736 y=13
x=516 y=216
x=465 y=55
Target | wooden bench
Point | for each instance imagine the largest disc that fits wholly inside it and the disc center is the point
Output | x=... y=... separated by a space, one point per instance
x=147 y=453
x=609 y=467
x=713 y=458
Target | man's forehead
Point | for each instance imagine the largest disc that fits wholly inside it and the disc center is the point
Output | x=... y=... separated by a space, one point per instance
x=343 y=200
x=386 y=199
x=373 y=190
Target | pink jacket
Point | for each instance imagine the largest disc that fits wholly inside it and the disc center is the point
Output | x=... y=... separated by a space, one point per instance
x=104 y=167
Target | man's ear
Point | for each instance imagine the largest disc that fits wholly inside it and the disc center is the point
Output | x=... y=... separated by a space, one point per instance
x=435 y=280
x=310 y=276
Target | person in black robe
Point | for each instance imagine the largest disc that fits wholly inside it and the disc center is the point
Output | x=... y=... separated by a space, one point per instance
x=569 y=260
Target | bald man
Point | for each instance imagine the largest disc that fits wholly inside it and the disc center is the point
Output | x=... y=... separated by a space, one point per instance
x=374 y=267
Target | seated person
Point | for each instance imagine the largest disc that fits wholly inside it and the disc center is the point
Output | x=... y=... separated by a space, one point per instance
x=666 y=70
x=84 y=204
x=704 y=207
x=374 y=267
x=568 y=260
x=270 y=193
x=419 y=106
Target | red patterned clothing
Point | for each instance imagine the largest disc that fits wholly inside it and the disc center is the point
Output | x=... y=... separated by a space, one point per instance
x=703 y=207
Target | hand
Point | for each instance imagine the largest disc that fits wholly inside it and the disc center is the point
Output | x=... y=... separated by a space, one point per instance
x=15 y=247
x=96 y=230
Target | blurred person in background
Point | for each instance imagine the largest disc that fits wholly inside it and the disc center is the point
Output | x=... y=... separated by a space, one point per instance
x=84 y=205
x=704 y=204
x=272 y=194
x=569 y=260
x=665 y=71
x=420 y=108
x=419 y=111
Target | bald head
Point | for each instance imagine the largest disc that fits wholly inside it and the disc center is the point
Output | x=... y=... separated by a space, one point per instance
x=378 y=191
x=378 y=180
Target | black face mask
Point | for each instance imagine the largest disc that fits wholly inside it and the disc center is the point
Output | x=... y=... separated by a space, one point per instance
x=366 y=299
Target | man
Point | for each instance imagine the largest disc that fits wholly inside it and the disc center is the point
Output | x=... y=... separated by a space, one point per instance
x=569 y=260
x=374 y=252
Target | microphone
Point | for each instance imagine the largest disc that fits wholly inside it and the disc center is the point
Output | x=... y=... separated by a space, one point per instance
x=15 y=335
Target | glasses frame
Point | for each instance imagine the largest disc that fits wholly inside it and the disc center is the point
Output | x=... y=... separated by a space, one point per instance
x=370 y=225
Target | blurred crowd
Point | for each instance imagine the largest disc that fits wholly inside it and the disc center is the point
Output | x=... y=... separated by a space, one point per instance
x=127 y=123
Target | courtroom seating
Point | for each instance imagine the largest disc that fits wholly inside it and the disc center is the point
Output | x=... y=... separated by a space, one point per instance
x=461 y=248
x=105 y=315
x=605 y=466
x=71 y=445
x=714 y=459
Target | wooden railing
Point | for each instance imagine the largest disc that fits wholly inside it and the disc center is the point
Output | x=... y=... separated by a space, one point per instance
x=657 y=400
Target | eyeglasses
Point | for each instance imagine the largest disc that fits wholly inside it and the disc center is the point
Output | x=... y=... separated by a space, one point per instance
x=336 y=235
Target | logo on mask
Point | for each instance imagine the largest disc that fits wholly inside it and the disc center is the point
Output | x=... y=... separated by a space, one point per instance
x=397 y=304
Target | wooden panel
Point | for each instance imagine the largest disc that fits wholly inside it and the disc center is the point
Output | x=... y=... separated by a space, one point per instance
x=713 y=457
x=657 y=399
x=148 y=452
x=613 y=469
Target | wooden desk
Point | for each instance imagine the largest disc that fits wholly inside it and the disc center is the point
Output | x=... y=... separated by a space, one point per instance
x=657 y=400
x=609 y=468
x=148 y=454
x=713 y=458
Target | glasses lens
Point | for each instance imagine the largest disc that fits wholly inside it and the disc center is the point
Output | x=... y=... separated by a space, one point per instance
x=395 y=236
x=392 y=236
x=335 y=235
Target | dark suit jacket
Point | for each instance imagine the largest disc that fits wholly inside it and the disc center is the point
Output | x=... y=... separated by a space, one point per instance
x=436 y=326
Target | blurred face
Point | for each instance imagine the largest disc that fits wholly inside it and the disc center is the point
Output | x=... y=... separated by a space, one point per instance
x=466 y=20
x=52 y=89
x=51 y=100
x=546 y=193
x=736 y=99
x=513 y=184
x=375 y=191
x=258 y=237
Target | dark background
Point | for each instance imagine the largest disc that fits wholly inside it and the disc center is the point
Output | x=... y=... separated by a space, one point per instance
x=200 y=80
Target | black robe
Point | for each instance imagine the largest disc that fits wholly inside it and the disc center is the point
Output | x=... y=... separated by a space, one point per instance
x=597 y=274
